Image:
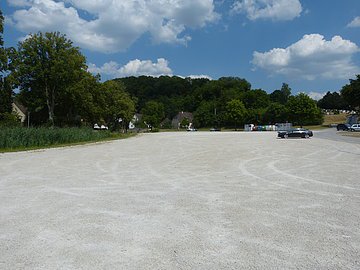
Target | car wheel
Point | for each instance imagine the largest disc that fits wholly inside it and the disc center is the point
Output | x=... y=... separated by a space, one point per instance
x=286 y=136
x=307 y=136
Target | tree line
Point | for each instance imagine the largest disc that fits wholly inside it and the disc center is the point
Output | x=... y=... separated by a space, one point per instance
x=226 y=102
x=51 y=79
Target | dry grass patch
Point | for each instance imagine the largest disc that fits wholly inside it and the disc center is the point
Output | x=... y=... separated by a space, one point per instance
x=334 y=119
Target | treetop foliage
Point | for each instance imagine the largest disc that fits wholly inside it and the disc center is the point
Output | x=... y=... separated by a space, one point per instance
x=228 y=101
x=1 y=29
x=351 y=93
x=6 y=93
x=47 y=64
x=333 y=101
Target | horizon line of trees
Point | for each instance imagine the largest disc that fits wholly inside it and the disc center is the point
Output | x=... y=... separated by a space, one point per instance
x=53 y=83
x=226 y=102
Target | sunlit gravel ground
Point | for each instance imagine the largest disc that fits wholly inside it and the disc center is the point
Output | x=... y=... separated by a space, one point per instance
x=198 y=200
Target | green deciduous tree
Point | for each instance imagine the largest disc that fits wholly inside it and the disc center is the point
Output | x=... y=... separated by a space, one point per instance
x=153 y=113
x=255 y=99
x=303 y=110
x=47 y=65
x=351 y=93
x=3 y=60
x=275 y=113
x=281 y=96
x=236 y=112
x=84 y=100
x=1 y=28
x=118 y=107
x=206 y=115
x=6 y=93
x=333 y=101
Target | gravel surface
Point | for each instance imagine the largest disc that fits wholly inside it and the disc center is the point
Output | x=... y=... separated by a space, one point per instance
x=197 y=200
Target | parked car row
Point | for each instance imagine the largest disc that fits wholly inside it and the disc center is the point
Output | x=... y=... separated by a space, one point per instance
x=348 y=127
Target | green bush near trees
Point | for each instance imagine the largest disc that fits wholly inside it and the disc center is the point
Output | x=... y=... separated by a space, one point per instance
x=9 y=120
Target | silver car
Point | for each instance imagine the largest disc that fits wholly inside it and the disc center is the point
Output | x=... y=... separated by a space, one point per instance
x=355 y=127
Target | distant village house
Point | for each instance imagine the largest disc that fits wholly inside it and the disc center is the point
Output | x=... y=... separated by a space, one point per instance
x=20 y=110
x=180 y=117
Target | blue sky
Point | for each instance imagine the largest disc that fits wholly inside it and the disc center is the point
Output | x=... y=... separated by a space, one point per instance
x=314 y=46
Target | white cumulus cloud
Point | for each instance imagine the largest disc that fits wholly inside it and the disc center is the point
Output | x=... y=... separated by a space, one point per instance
x=316 y=95
x=133 y=68
x=139 y=68
x=310 y=58
x=277 y=10
x=202 y=76
x=111 y=26
x=355 y=22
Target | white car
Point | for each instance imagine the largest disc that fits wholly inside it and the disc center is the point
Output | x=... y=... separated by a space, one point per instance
x=191 y=129
x=355 y=127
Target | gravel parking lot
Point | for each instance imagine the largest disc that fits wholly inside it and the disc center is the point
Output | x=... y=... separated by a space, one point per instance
x=197 y=200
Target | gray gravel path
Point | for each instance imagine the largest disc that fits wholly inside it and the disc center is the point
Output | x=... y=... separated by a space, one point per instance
x=196 y=200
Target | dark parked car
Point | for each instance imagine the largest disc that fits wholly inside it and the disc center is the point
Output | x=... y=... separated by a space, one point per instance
x=295 y=133
x=343 y=127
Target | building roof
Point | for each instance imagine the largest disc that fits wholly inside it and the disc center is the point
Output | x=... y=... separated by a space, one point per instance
x=20 y=106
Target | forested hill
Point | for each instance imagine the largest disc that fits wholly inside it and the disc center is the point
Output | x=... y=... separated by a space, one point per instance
x=185 y=94
x=232 y=98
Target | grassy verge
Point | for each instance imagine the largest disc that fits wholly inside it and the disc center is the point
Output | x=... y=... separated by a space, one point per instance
x=21 y=139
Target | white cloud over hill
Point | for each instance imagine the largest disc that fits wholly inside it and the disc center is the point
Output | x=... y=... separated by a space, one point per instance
x=133 y=68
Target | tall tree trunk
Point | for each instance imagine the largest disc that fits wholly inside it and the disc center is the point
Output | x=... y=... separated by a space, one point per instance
x=50 y=104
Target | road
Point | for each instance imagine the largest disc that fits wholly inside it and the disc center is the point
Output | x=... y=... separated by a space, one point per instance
x=196 y=200
x=334 y=135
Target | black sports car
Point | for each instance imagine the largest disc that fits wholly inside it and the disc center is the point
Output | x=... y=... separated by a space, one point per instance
x=295 y=133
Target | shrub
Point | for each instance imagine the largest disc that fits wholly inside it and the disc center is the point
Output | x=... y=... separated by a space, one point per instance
x=9 y=120
x=21 y=138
